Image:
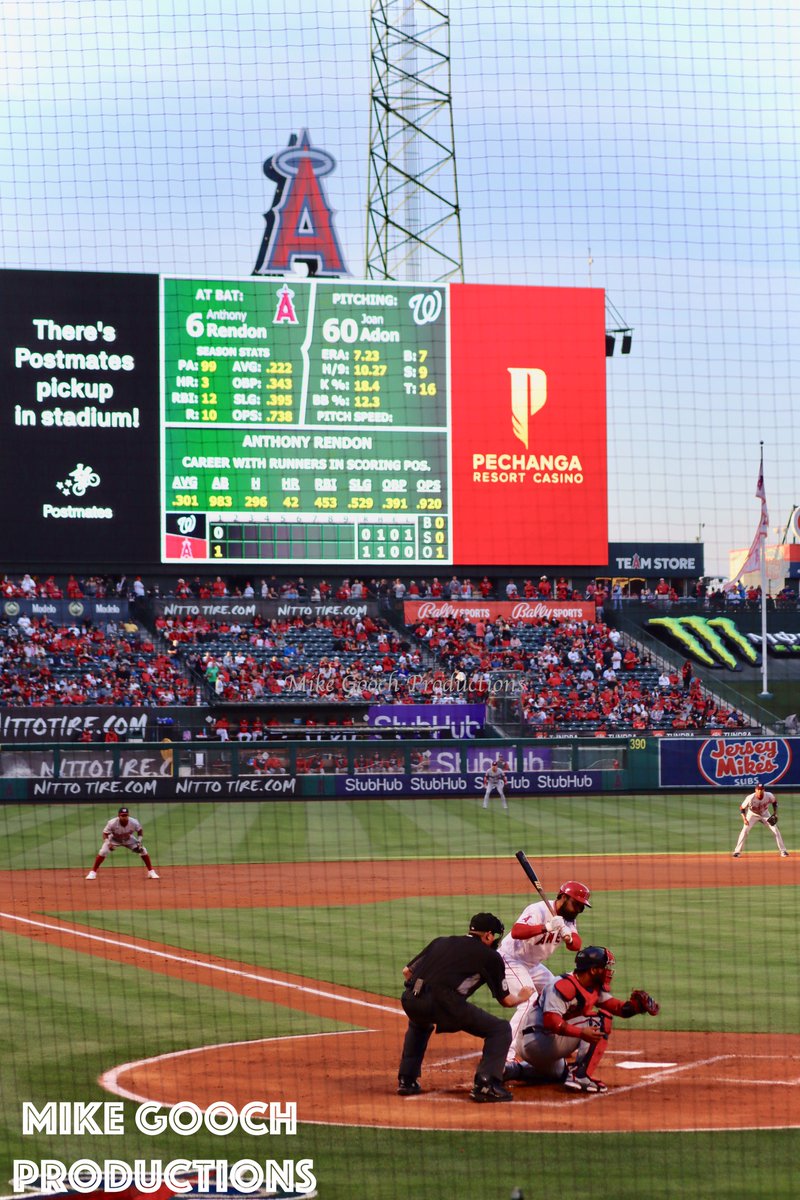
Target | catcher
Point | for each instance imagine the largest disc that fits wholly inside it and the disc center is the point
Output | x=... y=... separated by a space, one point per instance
x=754 y=809
x=573 y=1015
x=122 y=830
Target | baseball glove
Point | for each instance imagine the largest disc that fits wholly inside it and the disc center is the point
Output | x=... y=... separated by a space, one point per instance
x=773 y=820
x=643 y=1002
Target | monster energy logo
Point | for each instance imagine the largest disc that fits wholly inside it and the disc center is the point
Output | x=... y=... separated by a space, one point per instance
x=708 y=639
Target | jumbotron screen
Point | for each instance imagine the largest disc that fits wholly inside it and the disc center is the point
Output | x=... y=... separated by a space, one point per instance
x=306 y=421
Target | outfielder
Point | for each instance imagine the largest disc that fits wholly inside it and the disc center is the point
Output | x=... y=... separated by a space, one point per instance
x=573 y=1015
x=122 y=830
x=754 y=809
x=535 y=935
x=495 y=781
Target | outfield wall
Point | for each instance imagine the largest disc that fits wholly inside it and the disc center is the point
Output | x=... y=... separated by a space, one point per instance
x=322 y=767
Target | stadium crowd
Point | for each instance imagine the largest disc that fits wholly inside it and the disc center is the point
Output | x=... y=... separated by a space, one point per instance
x=563 y=676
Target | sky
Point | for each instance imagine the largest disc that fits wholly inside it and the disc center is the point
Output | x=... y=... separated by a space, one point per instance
x=657 y=138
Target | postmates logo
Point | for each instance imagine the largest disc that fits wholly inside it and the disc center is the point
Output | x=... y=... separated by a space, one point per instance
x=749 y=760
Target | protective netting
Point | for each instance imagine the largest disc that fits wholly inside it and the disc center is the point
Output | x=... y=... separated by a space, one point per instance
x=646 y=150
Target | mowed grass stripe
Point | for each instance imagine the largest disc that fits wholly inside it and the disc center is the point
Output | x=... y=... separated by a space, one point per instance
x=688 y=952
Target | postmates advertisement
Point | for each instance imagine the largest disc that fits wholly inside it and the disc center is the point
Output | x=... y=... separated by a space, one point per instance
x=529 y=424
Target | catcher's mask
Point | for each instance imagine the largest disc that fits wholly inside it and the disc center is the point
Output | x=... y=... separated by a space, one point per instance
x=578 y=891
x=591 y=957
x=487 y=923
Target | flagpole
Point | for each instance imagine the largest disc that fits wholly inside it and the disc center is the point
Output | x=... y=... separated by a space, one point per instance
x=765 y=693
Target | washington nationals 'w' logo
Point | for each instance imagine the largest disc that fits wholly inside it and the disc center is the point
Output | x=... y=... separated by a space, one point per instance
x=528 y=395
x=300 y=222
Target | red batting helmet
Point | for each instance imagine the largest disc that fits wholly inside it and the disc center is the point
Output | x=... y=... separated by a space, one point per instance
x=578 y=891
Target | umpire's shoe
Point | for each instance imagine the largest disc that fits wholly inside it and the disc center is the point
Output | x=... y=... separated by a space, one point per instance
x=489 y=1091
x=408 y=1086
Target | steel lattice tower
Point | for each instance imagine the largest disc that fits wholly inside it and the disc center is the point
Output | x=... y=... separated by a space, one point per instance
x=413 y=217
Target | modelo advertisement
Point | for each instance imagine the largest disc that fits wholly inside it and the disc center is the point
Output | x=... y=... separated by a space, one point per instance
x=66 y=612
x=730 y=762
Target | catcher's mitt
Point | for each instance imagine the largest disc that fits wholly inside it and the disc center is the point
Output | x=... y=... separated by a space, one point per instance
x=773 y=820
x=643 y=1002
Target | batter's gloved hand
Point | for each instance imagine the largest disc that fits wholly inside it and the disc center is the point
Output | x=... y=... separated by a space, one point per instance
x=773 y=820
x=555 y=925
x=643 y=1002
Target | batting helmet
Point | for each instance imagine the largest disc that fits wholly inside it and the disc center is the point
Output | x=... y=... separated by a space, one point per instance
x=596 y=956
x=487 y=923
x=578 y=891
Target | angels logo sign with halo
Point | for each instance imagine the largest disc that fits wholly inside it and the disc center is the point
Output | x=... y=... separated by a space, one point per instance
x=300 y=223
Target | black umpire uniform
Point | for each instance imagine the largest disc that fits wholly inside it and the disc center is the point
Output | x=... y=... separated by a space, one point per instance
x=439 y=981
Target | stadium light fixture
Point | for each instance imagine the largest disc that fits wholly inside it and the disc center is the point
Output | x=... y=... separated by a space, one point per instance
x=617 y=325
x=627 y=340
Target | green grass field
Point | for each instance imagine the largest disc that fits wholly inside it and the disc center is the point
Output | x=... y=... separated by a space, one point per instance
x=718 y=958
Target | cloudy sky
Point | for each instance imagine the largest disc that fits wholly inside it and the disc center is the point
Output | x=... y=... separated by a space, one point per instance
x=660 y=136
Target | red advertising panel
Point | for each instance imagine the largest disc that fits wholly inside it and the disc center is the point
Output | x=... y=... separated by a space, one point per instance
x=528 y=425
x=491 y=610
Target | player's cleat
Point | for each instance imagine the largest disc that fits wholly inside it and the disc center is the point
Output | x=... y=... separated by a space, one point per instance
x=518 y=1072
x=784 y=853
x=735 y=854
x=153 y=875
x=489 y=1091
x=583 y=1083
x=407 y=1086
x=92 y=875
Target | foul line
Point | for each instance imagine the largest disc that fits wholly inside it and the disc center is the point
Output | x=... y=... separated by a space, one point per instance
x=197 y=962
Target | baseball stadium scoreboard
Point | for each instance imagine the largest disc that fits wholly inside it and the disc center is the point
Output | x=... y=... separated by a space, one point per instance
x=305 y=422
x=187 y=420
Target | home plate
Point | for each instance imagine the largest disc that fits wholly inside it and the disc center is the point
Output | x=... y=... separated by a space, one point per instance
x=643 y=1066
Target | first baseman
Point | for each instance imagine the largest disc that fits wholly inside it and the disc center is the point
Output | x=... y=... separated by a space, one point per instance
x=535 y=935
x=122 y=830
x=754 y=809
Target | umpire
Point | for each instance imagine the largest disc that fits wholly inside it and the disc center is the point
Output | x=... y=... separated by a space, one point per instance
x=438 y=981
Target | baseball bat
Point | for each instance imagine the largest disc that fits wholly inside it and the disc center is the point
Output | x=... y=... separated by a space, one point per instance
x=522 y=859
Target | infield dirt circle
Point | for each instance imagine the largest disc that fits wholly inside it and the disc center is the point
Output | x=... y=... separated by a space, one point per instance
x=660 y=1079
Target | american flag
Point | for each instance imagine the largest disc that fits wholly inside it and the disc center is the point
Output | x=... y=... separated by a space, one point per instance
x=753 y=560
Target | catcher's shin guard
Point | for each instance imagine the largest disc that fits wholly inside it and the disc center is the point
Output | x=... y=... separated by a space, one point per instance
x=589 y=1054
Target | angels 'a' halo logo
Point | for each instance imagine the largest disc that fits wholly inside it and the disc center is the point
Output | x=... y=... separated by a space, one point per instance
x=528 y=396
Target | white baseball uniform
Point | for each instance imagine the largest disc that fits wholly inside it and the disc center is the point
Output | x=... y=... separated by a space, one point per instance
x=525 y=959
x=116 y=834
x=495 y=781
x=755 y=809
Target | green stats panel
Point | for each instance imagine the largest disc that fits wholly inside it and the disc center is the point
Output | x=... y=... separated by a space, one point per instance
x=305 y=421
